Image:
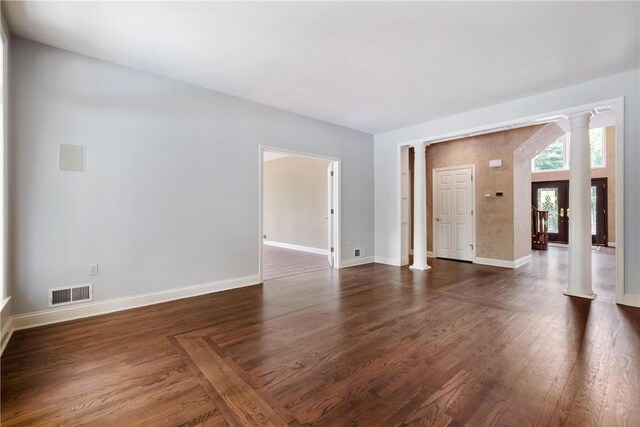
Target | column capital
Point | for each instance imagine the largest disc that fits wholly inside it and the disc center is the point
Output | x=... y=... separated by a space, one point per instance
x=419 y=145
x=580 y=119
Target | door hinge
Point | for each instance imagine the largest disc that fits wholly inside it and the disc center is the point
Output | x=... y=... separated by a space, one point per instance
x=331 y=211
x=331 y=248
x=604 y=211
x=331 y=173
x=471 y=211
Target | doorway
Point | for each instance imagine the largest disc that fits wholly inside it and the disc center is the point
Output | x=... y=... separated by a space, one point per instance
x=453 y=206
x=299 y=195
x=399 y=246
x=553 y=197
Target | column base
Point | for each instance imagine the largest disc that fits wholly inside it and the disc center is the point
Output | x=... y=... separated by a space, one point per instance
x=569 y=293
x=425 y=267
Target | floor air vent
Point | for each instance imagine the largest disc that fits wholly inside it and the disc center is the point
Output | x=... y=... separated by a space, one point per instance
x=70 y=295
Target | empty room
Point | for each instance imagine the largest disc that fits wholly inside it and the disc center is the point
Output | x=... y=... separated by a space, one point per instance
x=320 y=213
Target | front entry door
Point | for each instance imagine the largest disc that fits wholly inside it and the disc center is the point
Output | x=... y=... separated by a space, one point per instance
x=453 y=213
x=553 y=196
x=599 y=211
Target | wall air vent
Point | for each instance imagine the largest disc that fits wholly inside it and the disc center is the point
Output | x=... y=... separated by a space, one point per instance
x=70 y=295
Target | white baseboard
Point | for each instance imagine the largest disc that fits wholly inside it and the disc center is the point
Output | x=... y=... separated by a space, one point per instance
x=493 y=262
x=46 y=317
x=357 y=261
x=522 y=261
x=385 y=260
x=504 y=263
x=297 y=247
x=630 y=300
x=611 y=244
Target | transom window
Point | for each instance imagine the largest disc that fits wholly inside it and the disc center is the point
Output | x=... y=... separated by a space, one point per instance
x=556 y=156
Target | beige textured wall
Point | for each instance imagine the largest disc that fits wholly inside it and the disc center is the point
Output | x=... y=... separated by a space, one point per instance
x=609 y=172
x=295 y=201
x=495 y=224
x=521 y=205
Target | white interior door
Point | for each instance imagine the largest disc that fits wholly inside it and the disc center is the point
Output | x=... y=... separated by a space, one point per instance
x=330 y=214
x=453 y=213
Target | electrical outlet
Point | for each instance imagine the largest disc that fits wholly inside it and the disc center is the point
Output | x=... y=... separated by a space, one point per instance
x=93 y=269
x=357 y=253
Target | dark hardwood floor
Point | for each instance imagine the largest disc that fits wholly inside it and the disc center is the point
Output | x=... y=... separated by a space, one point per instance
x=460 y=344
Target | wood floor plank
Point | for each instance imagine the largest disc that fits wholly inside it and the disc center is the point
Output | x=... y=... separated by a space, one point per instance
x=238 y=400
x=460 y=344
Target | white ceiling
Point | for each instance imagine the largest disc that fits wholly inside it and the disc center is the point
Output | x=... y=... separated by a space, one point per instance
x=368 y=66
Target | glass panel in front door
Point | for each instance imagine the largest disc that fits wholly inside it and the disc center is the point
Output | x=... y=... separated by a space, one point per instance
x=594 y=209
x=548 y=201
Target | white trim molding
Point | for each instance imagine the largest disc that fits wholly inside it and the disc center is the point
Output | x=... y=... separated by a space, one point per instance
x=301 y=248
x=522 y=261
x=357 y=261
x=630 y=300
x=504 y=263
x=387 y=261
x=46 y=317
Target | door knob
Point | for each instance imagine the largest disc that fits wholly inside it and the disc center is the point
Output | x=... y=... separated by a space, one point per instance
x=437 y=219
x=561 y=212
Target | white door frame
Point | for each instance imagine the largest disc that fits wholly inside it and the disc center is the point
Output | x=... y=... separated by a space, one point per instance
x=331 y=255
x=617 y=105
x=473 y=205
x=336 y=198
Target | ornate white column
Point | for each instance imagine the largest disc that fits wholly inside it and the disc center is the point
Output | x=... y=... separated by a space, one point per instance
x=419 y=208
x=580 y=208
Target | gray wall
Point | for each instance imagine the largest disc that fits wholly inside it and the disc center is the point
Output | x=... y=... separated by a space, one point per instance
x=169 y=197
x=295 y=202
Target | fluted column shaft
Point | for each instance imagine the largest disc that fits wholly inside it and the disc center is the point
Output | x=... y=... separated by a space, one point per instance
x=419 y=208
x=580 y=208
